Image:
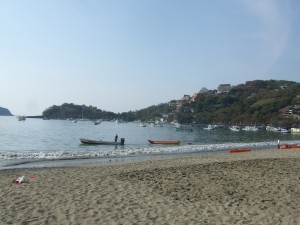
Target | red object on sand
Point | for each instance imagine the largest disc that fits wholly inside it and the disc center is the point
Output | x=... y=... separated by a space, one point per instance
x=19 y=180
x=286 y=146
x=239 y=150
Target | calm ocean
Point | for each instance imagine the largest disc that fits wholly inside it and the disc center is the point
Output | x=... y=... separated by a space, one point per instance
x=38 y=143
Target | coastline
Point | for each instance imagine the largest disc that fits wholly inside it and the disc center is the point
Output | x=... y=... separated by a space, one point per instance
x=259 y=187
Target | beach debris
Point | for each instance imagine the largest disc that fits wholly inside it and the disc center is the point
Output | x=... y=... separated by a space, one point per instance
x=239 y=150
x=20 y=180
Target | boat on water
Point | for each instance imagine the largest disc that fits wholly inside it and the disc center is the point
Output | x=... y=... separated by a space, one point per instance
x=250 y=128
x=100 y=142
x=235 y=128
x=21 y=118
x=209 y=127
x=97 y=122
x=295 y=130
x=239 y=150
x=172 y=142
x=286 y=146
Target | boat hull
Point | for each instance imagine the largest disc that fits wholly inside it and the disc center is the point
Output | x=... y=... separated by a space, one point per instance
x=99 y=142
x=164 y=142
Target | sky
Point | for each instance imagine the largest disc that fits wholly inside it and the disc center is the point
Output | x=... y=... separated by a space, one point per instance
x=126 y=55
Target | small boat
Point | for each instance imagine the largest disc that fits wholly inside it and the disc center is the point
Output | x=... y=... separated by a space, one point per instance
x=210 y=127
x=97 y=122
x=286 y=146
x=295 y=130
x=21 y=118
x=172 y=142
x=100 y=142
x=239 y=150
x=235 y=128
x=284 y=130
x=250 y=128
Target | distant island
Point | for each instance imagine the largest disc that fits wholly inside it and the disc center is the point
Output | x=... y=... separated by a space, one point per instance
x=5 y=112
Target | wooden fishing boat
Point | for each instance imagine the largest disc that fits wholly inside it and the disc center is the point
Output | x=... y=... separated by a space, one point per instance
x=100 y=142
x=239 y=150
x=286 y=146
x=172 y=142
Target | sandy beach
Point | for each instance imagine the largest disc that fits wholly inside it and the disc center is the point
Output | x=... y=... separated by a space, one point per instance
x=259 y=187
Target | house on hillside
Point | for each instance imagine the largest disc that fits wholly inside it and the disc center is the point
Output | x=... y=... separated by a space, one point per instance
x=179 y=103
x=195 y=96
x=224 y=88
x=288 y=113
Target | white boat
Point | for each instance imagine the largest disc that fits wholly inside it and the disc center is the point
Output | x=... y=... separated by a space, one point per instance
x=250 y=128
x=285 y=130
x=295 y=130
x=177 y=125
x=210 y=127
x=235 y=128
x=275 y=129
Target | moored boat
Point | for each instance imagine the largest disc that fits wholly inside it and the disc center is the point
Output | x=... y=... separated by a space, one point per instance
x=21 y=118
x=97 y=122
x=239 y=150
x=100 y=142
x=172 y=142
x=250 y=128
x=235 y=128
x=295 y=130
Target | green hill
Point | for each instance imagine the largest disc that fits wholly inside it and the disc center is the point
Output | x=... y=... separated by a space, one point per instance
x=256 y=102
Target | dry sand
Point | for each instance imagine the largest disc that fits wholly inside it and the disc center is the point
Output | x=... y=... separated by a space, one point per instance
x=261 y=187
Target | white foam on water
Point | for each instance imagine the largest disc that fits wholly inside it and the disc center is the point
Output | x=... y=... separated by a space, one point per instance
x=159 y=149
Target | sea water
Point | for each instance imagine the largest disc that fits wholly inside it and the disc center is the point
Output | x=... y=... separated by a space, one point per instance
x=39 y=143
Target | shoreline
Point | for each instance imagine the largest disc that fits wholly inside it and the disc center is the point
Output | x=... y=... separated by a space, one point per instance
x=259 y=187
x=181 y=151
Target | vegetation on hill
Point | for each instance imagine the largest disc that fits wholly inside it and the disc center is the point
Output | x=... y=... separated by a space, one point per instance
x=70 y=110
x=255 y=102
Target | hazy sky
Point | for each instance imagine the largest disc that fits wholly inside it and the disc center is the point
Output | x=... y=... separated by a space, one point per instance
x=121 y=55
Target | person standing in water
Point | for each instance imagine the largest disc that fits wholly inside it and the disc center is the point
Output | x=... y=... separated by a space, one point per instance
x=116 y=138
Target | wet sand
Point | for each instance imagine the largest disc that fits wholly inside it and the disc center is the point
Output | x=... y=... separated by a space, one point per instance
x=260 y=187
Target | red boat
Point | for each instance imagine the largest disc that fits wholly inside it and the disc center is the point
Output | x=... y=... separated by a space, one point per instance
x=172 y=142
x=239 y=150
x=286 y=146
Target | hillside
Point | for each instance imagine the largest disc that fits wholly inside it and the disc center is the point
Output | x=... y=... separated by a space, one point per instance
x=255 y=102
x=5 y=112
